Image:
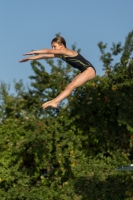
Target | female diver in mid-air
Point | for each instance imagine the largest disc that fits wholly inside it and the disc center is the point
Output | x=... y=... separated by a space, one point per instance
x=59 y=50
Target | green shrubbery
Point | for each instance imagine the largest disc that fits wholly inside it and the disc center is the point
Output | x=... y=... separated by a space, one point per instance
x=69 y=153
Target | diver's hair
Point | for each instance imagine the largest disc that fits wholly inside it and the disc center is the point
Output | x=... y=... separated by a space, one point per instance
x=59 y=40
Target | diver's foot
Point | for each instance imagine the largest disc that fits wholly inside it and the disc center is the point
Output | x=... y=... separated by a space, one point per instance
x=50 y=104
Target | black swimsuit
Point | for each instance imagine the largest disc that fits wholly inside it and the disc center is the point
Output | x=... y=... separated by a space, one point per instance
x=78 y=62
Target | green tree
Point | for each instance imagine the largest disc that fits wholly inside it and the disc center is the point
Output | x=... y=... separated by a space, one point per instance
x=107 y=102
x=70 y=152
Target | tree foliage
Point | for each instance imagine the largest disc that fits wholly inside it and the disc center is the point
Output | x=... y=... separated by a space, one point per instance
x=70 y=152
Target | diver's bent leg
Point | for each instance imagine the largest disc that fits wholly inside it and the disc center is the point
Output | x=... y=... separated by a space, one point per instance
x=79 y=80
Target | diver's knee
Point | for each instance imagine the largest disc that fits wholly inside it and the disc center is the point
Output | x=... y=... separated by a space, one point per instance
x=72 y=85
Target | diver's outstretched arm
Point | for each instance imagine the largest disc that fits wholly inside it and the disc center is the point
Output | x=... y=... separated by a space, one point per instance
x=64 y=51
x=38 y=57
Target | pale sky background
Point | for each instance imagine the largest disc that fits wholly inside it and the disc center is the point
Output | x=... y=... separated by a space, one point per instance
x=31 y=24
